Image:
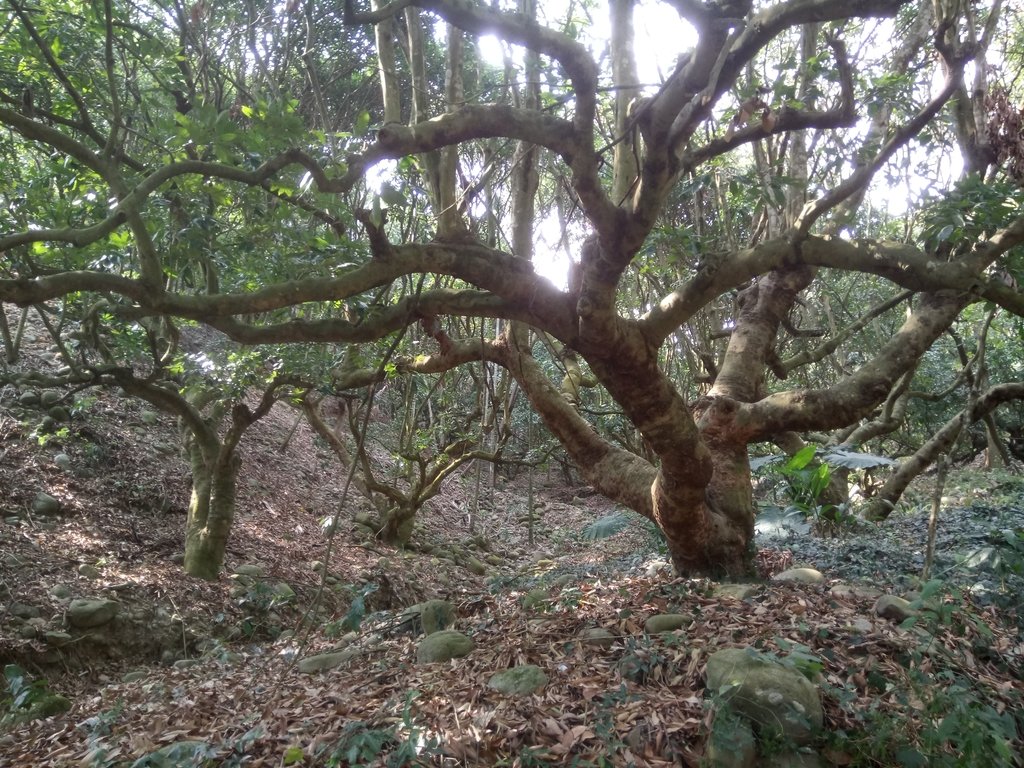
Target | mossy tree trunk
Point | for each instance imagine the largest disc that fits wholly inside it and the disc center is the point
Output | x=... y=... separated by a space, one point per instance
x=211 y=510
x=214 y=460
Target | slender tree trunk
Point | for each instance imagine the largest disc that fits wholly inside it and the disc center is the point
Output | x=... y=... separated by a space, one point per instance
x=941 y=442
x=211 y=511
x=385 y=36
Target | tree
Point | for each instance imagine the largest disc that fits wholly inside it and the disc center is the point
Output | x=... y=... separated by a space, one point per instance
x=710 y=215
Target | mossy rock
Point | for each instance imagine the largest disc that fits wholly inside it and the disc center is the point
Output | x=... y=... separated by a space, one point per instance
x=85 y=613
x=519 y=681
x=536 y=599
x=894 y=608
x=599 y=637
x=436 y=615
x=444 y=646
x=731 y=744
x=735 y=591
x=776 y=698
x=49 y=398
x=665 y=622
x=800 y=576
x=45 y=504
x=325 y=661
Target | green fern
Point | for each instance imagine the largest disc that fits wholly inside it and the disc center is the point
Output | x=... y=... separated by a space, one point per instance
x=607 y=526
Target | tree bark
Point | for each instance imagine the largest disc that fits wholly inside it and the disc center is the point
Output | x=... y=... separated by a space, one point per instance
x=891 y=492
x=211 y=510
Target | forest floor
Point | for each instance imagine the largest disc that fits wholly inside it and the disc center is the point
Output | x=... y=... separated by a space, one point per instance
x=205 y=673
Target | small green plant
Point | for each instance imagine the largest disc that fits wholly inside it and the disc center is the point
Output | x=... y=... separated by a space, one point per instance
x=27 y=699
x=97 y=728
x=405 y=745
x=44 y=438
x=609 y=525
x=353 y=618
x=807 y=477
x=258 y=600
x=933 y=714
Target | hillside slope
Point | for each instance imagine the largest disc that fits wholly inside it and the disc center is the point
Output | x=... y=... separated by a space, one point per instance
x=224 y=673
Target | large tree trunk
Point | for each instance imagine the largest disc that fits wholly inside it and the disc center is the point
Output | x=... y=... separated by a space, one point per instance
x=714 y=536
x=211 y=510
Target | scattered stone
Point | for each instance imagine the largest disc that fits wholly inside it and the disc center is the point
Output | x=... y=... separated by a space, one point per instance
x=535 y=599
x=50 y=398
x=48 y=705
x=317 y=566
x=854 y=592
x=800 y=576
x=443 y=646
x=655 y=567
x=325 y=661
x=599 y=637
x=149 y=418
x=793 y=760
x=24 y=611
x=89 y=571
x=11 y=560
x=776 y=698
x=563 y=581
x=731 y=743
x=250 y=569
x=179 y=753
x=894 y=608
x=27 y=632
x=283 y=592
x=56 y=638
x=735 y=591
x=45 y=504
x=63 y=461
x=134 y=675
x=59 y=413
x=665 y=622
x=363 y=530
x=476 y=566
x=436 y=615
x=185 y=663
x=519 y=681
x=86 y=613
x=633 y=668
x=47 y=425
x=364 y=518
x=493 y=559
x=28 y=399
x=862 y=625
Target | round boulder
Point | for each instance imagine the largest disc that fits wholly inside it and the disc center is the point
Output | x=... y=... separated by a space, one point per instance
x=665 y=622
x=443 y=646
x=45 y=504
x=800 y=576
x=777 y=698
x=85 y=613
x=519 y=681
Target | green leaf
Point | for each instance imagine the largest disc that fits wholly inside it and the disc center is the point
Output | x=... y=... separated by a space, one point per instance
x=840 y=457
x=606 y=527
x=801 y=458
x=293 y=755
x=362 y=123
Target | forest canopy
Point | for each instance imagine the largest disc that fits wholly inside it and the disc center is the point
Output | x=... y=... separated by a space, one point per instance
x=805 y=229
